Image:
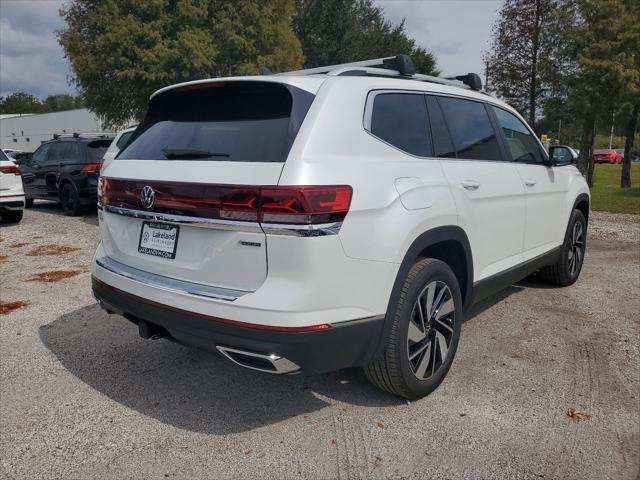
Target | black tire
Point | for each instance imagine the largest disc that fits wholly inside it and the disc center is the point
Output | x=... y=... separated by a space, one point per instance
x=69 y=201
x=12 y=217
x=28 y=203
x=394 y=371
x=564 y=272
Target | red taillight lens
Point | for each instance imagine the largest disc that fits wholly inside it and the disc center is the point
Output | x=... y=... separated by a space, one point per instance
x=91 y=168
x=304 y=205
x=10 y=169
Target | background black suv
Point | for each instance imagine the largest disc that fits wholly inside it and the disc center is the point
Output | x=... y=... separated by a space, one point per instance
x=66 y=170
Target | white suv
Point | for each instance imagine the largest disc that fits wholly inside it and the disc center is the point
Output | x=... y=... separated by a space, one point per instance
x=334 y=217
x=11 y=191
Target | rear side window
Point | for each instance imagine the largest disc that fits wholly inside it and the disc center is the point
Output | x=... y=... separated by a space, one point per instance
x=96 y=150
x=471 y=130
x=521 y=143
x=401 y=120
x=124 y=138
x=59 y=151
x=442 y=143
x=3 y=156
x=228 y=121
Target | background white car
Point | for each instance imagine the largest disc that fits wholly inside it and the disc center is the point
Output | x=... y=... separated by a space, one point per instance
x=118 y=144
x=11 y=192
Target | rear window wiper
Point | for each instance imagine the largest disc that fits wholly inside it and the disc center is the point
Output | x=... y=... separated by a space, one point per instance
x=190 y=153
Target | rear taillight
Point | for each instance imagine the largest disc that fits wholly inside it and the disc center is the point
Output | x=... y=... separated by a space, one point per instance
x=299 y=205
x=304 y=205
x=91 y=168
x=10 y=170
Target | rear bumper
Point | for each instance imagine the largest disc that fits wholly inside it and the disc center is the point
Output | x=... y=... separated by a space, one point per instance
x=344 y=344
x=11 y=203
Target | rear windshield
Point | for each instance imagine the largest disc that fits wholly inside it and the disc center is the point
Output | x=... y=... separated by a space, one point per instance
x=227 y=121
x=96 y=150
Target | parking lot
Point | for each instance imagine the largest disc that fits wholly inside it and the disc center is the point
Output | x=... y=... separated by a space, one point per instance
x=546 y=384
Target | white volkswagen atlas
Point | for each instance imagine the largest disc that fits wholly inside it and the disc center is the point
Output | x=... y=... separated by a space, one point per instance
x=11 y=192
x=333 y=217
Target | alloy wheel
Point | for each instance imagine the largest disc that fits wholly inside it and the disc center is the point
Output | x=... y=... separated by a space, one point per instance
x=430 y=330
x=576 y=246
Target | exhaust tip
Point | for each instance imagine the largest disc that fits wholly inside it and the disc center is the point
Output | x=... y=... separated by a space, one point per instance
x=269 y=363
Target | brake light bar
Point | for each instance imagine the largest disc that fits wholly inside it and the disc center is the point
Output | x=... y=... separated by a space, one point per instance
x=10 y=169
x=295 y=205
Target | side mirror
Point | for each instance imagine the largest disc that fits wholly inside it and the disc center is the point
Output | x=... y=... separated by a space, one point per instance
x=561 y=155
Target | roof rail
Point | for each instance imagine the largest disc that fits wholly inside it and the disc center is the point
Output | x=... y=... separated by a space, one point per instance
x=97 y=135
x=398 y=66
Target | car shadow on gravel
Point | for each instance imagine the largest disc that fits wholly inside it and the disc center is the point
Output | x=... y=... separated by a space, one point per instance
x=188 y=388
x=89 y=215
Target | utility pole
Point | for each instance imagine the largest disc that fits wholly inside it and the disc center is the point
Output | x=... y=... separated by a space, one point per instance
x=559 y=128
x=611 y=134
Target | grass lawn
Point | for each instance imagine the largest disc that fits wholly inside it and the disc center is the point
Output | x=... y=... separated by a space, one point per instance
x=606 y=194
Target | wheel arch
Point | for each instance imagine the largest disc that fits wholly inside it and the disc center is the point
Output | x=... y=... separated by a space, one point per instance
x=447 y=243
x=582 y=203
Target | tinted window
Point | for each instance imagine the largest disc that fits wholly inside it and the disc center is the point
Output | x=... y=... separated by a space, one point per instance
x=234 y=121
x=3 y=156
x=58 y=152
x=40 y=154
x=96 y=150
x=521 y=143
x=124 y=138
x=471 y=129
x=442 y=143
x=401 y=120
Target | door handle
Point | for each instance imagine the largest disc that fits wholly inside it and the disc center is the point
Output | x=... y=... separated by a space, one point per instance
x=470 y=185
x=529 y=183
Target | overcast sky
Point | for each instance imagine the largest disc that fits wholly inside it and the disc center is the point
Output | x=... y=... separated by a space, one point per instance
x=31 y=60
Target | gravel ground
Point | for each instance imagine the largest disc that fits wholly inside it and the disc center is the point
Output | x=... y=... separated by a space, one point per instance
x=83 y=397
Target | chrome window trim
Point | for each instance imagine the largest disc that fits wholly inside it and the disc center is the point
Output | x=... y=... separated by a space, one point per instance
x=169 y=284
x=253 y=227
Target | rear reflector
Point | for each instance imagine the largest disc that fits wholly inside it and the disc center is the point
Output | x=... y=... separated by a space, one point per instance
x=10 y=169
x=298 y=205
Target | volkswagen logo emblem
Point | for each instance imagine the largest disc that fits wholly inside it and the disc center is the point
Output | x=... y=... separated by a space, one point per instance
x=148 y=197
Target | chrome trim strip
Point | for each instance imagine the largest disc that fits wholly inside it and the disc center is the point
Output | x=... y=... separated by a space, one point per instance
x=169 y=284
x=302 y=230
x=253 y=227
x=281 y=365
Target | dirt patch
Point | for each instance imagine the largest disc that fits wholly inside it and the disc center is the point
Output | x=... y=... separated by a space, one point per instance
x=3 y=257
x=18 y=245
x=7 y=307
x=51 y=250
x=53 y=276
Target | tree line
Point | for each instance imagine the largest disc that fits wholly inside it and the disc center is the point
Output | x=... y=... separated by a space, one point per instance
x=21 y=102
x=572 y=64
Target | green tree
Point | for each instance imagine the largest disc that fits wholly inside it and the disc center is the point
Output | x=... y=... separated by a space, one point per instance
x=628 y=30
x=341 y=31
x=20 y=102
x=121 y=51
x=595 y=78
x=522 y=53
x=56 y=103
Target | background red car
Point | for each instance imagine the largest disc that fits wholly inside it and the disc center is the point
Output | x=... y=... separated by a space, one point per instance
x=607 y=155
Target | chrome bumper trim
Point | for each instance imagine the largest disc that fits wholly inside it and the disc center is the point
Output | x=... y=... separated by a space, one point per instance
x=253 y=227
x=302 y=230
x=169 y=284
x=184 y=220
